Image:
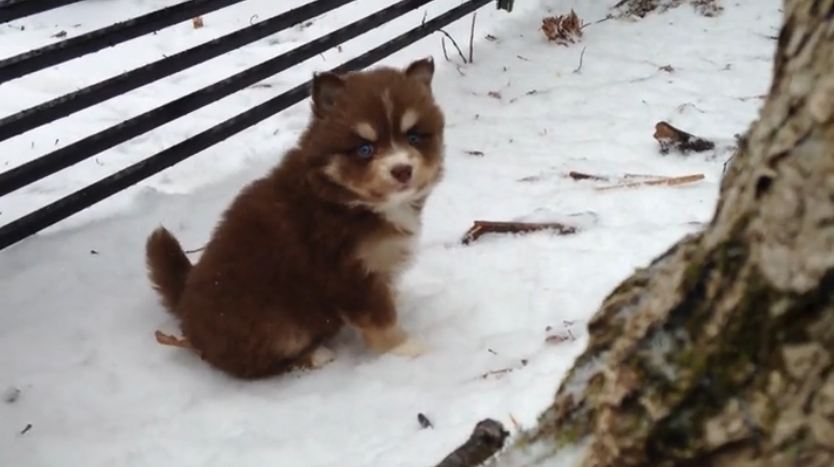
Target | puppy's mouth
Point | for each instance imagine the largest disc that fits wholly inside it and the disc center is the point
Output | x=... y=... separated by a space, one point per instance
x=400 y=190
x=403 y=187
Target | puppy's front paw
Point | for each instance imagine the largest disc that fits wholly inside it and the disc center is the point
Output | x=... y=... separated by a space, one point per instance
x=411 y=347
x=321 y=356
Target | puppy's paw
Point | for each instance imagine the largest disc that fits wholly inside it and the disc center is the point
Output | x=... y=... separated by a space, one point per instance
x=411 y=347
x=321 y=356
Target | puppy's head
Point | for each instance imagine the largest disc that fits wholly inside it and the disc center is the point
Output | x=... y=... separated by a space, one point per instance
x=377 y=135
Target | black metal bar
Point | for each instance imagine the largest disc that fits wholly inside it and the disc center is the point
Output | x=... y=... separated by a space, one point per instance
x=86 y=197
x=506 y=5
x=38 y=59
x=16 y=9
x=85 y=148
x=103 y=90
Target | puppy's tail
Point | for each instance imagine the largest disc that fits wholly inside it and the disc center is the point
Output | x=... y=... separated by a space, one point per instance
x=168 y=267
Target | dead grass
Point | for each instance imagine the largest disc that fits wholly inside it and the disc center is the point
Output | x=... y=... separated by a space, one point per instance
x=641 y=8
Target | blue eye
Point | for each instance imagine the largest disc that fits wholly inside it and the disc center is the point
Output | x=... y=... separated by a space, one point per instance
x=413 y=138
x=365 y=151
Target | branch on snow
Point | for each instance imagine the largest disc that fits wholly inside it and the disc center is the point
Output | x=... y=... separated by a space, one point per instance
x=486 y=439
x=480 y=228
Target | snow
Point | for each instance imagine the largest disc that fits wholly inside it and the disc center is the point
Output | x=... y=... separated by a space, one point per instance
x=77 y=315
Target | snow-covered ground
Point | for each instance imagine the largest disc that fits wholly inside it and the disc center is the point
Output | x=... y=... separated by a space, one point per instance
x=83 y=380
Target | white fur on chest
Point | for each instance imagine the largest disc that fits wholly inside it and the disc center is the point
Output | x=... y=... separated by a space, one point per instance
x=387 y=255
x=402 y=215
x=390 y=254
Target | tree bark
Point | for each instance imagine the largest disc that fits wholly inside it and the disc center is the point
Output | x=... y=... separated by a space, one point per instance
x=721 y=351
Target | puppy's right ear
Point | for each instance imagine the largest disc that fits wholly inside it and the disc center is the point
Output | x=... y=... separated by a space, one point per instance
x=327 y=87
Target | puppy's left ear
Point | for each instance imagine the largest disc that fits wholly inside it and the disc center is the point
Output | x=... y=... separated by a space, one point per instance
x=422 y=70
x=327 y=87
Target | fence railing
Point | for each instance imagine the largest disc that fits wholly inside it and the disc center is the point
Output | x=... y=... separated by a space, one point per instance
x=55 y=161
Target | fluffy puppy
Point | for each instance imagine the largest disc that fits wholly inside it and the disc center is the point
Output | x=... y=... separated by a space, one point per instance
x=316 y=243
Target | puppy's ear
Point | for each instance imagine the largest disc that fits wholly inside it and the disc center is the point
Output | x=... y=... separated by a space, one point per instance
x=327 y=87
x=422 y=70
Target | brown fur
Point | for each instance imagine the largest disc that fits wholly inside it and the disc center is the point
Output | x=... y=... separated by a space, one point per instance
x=168 y=265
x=316 y=243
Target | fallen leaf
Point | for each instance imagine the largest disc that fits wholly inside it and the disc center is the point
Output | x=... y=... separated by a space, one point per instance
x=563 y=29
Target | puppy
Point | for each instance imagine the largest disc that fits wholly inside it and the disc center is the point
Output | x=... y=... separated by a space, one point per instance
x=318 y=242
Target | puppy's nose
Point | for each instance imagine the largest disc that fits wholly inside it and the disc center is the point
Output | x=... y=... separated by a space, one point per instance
x=401 y=172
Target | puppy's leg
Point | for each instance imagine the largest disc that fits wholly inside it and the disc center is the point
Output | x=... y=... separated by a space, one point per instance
x=376 y=319
x=392 y=339
x=317 y=358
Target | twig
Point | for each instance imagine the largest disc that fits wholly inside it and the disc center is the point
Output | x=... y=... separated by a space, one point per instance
x=750 y=98
x=531 y=92
x=607 y=18
x=502 y=371
x=581 y=58
x=601 y=178
x=472 y=39
x=196 y=250
x=669 y=181
x=645 y=176
x=583 y=176
x=480 y=228
x=460 y=52
x=559 y=338
x=486 y=439
x=173 y=341
x=443 y=46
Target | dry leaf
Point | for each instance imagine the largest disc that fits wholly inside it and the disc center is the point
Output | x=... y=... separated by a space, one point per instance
x=167 y=339
x=563 y=29
x=197 y=22
x=671 y=138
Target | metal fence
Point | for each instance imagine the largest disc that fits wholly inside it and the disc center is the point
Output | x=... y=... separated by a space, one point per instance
x=70 y=49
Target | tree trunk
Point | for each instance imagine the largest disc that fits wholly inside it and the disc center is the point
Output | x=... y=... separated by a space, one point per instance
x=721 y=352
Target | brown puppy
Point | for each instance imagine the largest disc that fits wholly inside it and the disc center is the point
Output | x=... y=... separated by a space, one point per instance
x=317 y=242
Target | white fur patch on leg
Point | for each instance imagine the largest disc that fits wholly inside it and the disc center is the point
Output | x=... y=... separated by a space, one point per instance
x=322 y=356
x=410 y=348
